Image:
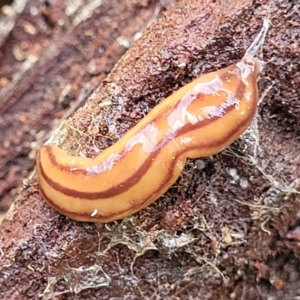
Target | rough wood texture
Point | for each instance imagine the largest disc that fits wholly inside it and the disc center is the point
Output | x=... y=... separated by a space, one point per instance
x=227 y=229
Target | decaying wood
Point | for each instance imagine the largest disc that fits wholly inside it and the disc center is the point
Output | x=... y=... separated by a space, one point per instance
x=227 y=228
x=55 y=56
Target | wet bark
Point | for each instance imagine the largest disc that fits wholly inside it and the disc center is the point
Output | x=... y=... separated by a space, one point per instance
x=227 y=229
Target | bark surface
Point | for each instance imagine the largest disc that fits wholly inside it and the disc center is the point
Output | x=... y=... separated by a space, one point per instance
x=229 y=227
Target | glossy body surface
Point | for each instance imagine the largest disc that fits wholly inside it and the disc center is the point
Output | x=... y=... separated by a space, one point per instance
x=198 y=120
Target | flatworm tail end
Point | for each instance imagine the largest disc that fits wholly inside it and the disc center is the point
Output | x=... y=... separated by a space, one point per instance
x=256 y=47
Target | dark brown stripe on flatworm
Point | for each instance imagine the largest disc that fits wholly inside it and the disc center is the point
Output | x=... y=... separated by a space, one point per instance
x=135 y=177
x=226 y=76
x=125 y=185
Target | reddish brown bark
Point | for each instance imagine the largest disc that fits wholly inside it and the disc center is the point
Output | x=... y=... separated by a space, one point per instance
x=223 y=231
